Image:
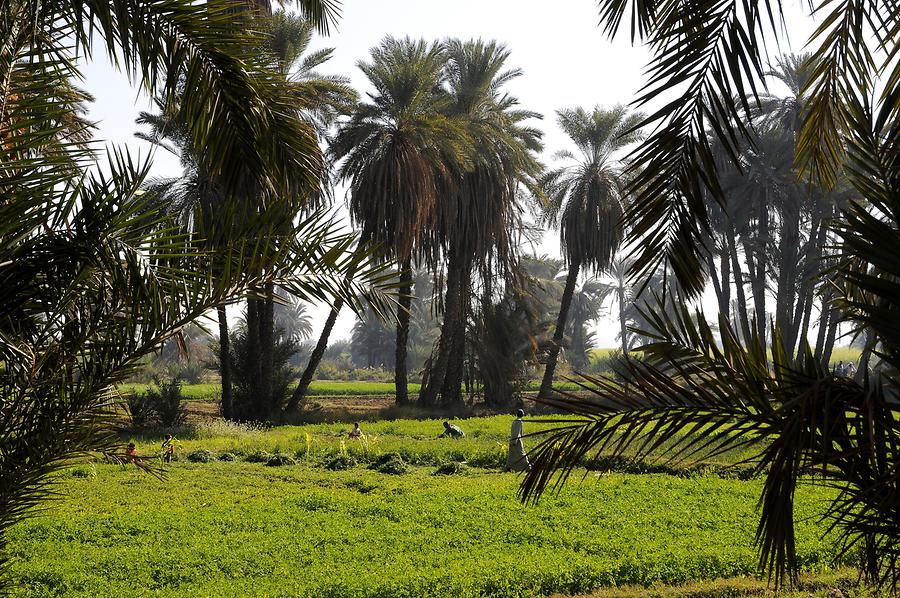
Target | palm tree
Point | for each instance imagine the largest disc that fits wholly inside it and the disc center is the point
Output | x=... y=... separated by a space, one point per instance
x=476 y=223
x=198 y=195
x=586 y=201
x=91 y=285
x=292 y=320
x=800 y=417
x=587 y=303
x=400 y=153
x=373 y=342
x=319 y=99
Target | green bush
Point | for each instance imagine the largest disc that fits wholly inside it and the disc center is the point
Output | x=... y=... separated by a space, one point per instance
x=227 y=457
x=340 y=462
x=200 y=456
x=390 y=463
x=141 y=409
x=278 y=460
x=168 y=403
x=88 y=471
x=451 y=468
x=258 y=457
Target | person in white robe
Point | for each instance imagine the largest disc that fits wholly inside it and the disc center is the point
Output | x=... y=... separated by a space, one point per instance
x=516 y=459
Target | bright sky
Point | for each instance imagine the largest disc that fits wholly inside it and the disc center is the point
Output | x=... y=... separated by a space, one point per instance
x=567 y=62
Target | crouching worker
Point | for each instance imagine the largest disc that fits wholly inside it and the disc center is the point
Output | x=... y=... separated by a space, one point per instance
x=452 y=431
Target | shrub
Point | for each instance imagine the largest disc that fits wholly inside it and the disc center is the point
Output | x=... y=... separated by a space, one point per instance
x=227 y=457
x=141 y=409
x=327 y=370
x=169 y=403
x=200 y=456
x=190 y=372
x=278 y=460
x=258 y=457
x=88 y=471
x=451 y=468
x=340 y=462
x=390 y=463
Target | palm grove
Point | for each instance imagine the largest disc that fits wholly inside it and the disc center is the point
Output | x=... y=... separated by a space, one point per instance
x=784 y=200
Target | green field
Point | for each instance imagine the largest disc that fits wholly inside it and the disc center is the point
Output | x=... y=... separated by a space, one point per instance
x=362 y=388
x=241 y=528
x=318 y=388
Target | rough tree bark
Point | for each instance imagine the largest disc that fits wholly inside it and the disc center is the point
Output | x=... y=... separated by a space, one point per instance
x=400 y=373
x=266 y=314
x=254 y=410
x=437 y=370
x=225 y=363
x=547 y=382
x=314 y=359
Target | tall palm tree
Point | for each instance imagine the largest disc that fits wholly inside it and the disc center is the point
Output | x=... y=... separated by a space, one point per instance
x=476 y=223
x=320 y=99
x=196 y=194
x=586 y=201
x=400 y=154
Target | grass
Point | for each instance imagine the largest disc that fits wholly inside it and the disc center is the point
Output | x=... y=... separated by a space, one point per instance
x=237 y=528
x=416 y=441
x=310 y=528
x=320 y=388
x=845 y=354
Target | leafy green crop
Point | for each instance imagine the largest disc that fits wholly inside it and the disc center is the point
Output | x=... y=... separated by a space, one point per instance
x=243 y=529
x=228 y=529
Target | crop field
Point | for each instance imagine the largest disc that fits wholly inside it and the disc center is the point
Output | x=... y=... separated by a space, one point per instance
x=320 y=388
x=323 y=522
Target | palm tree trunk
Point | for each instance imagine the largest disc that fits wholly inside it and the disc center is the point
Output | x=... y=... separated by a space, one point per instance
x=225 y=363
x=400 y=374
x=253 y=361
x=830 y=335
x=759 y=280
x=807 y=293
x=741 y=296
x=824 y=321
x=756 y=268
x=451 y=390
x=314 y=359
x=566 y=302
x=720 y=286
x=266 y=309
x=437 y=370
x=623 y=327
x=866 y=356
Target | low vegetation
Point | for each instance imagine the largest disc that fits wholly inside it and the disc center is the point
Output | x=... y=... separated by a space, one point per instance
x=341 y=517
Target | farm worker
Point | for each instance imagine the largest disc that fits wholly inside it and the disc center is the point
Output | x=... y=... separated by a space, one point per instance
x=131 y=454
x=452 y=431
x=839 y=370
x=516 y=459
x=355 y=432
x=850 y=370
x=168 y=448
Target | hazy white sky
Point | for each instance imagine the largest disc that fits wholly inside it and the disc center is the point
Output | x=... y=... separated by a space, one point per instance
x=567 y=62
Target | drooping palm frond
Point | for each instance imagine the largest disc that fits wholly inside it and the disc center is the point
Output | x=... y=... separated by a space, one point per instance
x=198 y=49
x=707 y=68
x=691 y=398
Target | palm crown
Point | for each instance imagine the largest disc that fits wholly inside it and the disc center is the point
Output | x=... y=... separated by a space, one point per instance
x=399 y=149
x=585 y=197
